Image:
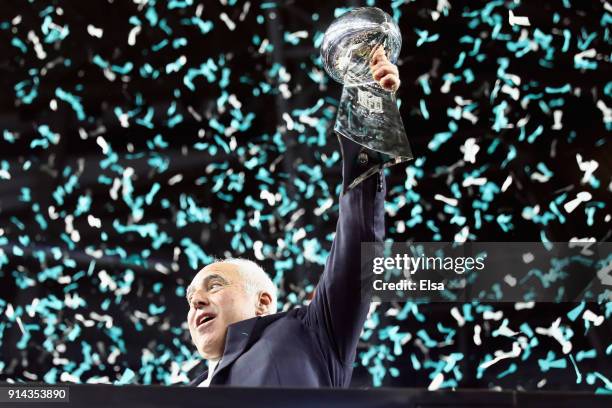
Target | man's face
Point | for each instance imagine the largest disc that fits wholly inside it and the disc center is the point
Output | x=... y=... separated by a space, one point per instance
x=217 y=298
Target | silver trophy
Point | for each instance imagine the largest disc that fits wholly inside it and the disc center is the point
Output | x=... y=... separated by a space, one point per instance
x=367 y=114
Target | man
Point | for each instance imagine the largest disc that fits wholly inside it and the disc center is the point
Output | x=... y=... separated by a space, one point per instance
x=232 y=304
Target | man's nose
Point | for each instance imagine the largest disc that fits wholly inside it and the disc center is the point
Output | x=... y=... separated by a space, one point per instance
x=199 y=300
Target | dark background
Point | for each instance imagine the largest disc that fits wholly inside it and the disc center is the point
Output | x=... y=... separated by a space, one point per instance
x=248 y=128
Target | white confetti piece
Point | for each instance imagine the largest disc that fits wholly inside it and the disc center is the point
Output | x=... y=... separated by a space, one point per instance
x=506 y=183
x=257 y=250
x=102 y=143
x=327 y=204
x=108 y=321
x=605 y=274
x=177 y=65
x=580 y=59
x=581 y=197
x=110 y=75
x=73 y=301
x=288 y=120
x=537 y=176
x=469 y=116
x=462 y=235
x=64 y=280
x=234 y=101
x=161 y=268
x=445 y=88
x=114 y=191
x=528 y=257
x=94 y=222
x=436 y=382
x=474 y=181
x=96 y=253
x=263 y=46
x=588 y=167
x=9 y=311
x=470 y=148
x=68 y=221
x=510 y=280
x=112 y=357
x=176 y=376
x=504 y=330
x=500 y=355
x=299 y=234
x=106 y=280
x=33 y=306
x=554 y=331
x=132 y=35
x=592 y=317
x=84 y=321
x=607 y=112
x=517 y=20
x=94 y=31
x=177 y=178
x=489 y=315
x=450 y=201
x=524 y=305
x=512 y=91
x=476 y=337
x=245 y=10
x=309 y=120
x=584 y=243
x=300 y=34
x=67 y=377
x=514 y=78
x=457 y=315
x=99 y=380
x=284 y=90
x=52 y=213
x=20 y=324
x=230 y=24
x=40 y=52
x=557 y=115
x=406 y=339
x=393 y=311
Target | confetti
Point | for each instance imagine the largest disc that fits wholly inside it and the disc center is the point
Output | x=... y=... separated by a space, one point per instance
x=140 y=148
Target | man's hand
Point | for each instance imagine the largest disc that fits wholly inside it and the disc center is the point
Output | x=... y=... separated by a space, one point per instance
x=383 y=71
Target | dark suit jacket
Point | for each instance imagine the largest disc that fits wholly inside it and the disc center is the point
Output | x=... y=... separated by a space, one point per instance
x=312 y=346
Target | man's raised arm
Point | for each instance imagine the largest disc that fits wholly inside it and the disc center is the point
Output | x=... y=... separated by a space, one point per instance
x=339 y=307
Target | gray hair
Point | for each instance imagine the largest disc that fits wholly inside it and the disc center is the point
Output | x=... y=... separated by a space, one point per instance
x=255 y=279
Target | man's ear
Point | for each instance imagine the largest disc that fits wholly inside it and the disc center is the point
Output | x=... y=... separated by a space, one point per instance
x=264 y=302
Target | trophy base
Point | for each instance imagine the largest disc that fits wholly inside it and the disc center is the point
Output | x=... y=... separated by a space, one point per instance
x=375 y=169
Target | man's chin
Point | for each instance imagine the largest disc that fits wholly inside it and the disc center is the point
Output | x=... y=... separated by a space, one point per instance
x=208 y=351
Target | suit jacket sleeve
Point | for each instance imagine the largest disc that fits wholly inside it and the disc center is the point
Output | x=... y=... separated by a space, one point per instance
x=339 y=307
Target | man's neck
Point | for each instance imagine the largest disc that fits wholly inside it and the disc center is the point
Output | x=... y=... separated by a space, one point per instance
x=213 y=360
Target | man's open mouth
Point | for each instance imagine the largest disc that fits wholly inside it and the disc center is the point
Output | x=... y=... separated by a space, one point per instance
x=205 y=319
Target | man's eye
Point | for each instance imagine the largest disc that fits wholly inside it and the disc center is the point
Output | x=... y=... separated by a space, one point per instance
x=214 y=285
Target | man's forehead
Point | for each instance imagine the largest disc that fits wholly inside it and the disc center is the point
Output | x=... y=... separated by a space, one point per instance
x=223 y=269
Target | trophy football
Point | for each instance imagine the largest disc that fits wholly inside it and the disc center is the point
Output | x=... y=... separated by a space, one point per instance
x=367 y=114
